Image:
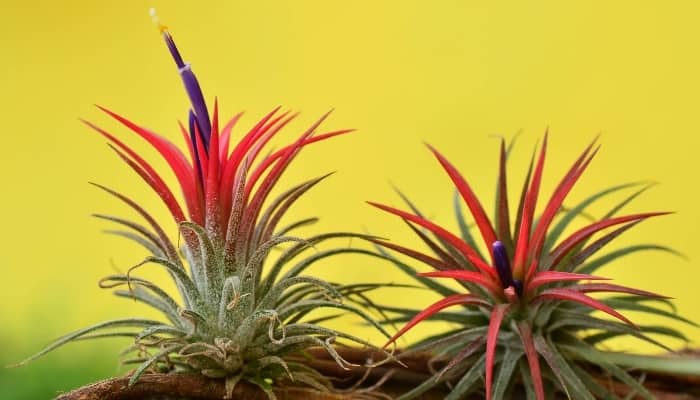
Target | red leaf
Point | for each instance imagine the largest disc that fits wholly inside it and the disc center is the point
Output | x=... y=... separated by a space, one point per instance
x=545 y=277
x=211 y=198
x=469 y=276
x=584 y=233
x=491 y=338
x=502 y=211
x=523 y=196
x=435 y=308
x=521 y=245
x=226 y=136
x=288 y=153
x=269 y=160
x=607 y=287
x=578 y=297
x=424 y=258
x=532 y=358
x=267 y=133
x=172 y=155
x=475 y=207
x=236 y=157
x=157 y=185
x=556 y=201
x=445 y=256
x=458 y=243
x=146 y=171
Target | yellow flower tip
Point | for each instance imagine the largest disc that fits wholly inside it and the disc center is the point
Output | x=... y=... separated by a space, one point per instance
x=156 y=20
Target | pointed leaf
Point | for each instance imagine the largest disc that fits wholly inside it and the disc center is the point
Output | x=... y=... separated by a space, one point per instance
x=546 y=277
x=468 y=276
x=584 y=233
x=502 y=220
x=533 y=361
x=579 y=209
x=491 y=340
x=609 y=287
x=435 y=308
x=619 y=253
x=460 y=245
x=528 y=210
x=556 y=201
x=577 y=297
x=475 y=207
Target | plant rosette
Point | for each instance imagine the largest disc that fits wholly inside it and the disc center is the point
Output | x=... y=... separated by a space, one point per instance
x=235 y=321
x=525 y=310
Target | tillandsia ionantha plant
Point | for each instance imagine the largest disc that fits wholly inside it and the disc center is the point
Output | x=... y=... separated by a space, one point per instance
x=527 y=315
x=234 y=321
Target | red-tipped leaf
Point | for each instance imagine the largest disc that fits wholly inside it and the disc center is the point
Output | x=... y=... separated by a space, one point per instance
x=557 y=199
x=533 y=359
x=527 y=215
x=444 y=234
x=475 y=207
x=491 y=340
x=469 y=276
x=578 y=297
x=436 y=307
x=612 y=288
x=546 y=277
x=584 y=233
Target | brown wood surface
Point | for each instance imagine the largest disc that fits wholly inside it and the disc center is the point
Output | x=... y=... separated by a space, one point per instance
x=396 y=380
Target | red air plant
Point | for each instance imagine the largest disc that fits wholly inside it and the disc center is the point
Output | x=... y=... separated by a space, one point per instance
x=237 y=320
x=526 y=286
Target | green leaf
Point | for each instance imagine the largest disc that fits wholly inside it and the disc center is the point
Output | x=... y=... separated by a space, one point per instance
x=594 y=265
x=604 y=362
x=577 y=210
x=296 y=225
x=468 y=381
x=410 y=271
x=127 y=322
x=664 y=364
x=592 y=384
x=654 y=329
x=558 y=363
x=187 y=287
x=447 y=338
x=419 y=390
x=505 y=372
x=627 y=305
x=527 y=381
x=147 y=244
x=145 y=365
x=213 y=277
x=462 y=223
x=138 y=286
x=272 y=297
x=294 y=312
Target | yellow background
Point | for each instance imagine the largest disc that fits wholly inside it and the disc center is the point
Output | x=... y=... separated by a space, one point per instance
x=452 y=73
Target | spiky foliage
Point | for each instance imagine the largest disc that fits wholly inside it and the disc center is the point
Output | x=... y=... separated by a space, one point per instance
x=232 y=320
x=527 y=315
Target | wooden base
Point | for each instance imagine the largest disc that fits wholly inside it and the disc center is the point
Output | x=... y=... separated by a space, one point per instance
x=391 y=380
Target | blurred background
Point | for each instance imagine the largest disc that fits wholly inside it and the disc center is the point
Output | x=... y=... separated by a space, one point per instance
x=451 y=73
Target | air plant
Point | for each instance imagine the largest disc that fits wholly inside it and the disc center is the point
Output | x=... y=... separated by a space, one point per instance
x=526 y=314
x=234 y=321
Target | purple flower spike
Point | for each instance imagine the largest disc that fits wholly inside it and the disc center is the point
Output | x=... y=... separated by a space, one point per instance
x=192 y=123
x=518 y=285
x=500 y=258
x=194 y=91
